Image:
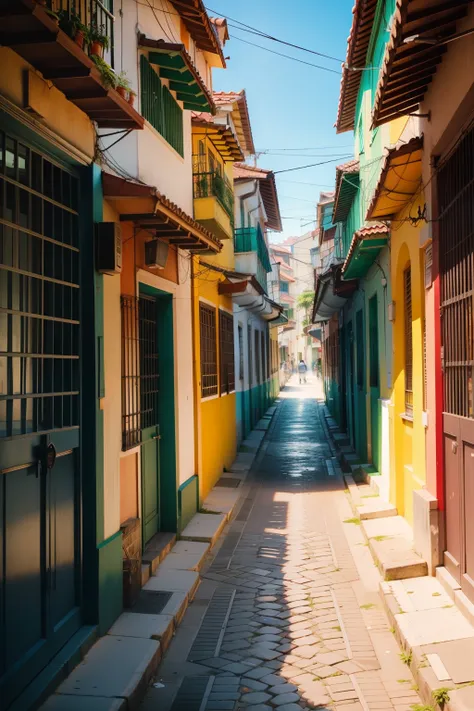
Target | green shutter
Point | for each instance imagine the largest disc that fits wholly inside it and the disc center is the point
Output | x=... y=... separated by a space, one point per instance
x=160 y=108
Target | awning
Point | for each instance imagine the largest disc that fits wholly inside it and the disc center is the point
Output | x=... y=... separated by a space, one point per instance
x=150 y=210
x=399 y=180
x=32 y=33
x=198 y=24
x=221 y=135
x=365 y=247
x=331 y=294
x=246 y=292
x=268 y=191
x=176 y=65
x=419 y=36
x=347 y=185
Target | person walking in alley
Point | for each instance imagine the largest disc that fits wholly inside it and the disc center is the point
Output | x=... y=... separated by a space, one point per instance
x=302 y=369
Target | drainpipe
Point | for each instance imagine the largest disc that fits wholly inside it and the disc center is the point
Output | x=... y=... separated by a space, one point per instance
x=196 y=372
x=243 y=198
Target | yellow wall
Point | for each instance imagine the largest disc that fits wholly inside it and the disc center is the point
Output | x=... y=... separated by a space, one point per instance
x=408 y=452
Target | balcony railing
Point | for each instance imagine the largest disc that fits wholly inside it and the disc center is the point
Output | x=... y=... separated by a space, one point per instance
x=209 y=182
x=250 y=239
x=94 y=15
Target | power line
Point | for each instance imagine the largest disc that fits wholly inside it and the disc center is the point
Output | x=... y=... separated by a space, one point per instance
x=310 y=148
x=310 y=165
x=287 y=56
x=254 y=30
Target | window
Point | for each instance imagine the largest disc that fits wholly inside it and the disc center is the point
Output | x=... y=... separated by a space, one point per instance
x=257 y=357
x=284 y=287
x=226 y=352
x=160 y=108
x=249 y=346
x=373 y=343
x=264 y=359
x=408 y=343
x=360 y=135
x=241 y=352
x=360 y=349
x=207 y=323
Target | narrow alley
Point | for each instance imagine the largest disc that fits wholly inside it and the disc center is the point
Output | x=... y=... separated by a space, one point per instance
x=287 y=614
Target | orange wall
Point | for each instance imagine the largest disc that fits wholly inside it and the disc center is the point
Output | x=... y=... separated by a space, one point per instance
x=128 y=487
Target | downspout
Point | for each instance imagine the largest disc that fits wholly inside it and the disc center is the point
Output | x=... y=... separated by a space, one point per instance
x=243 y=198
x=197 y=376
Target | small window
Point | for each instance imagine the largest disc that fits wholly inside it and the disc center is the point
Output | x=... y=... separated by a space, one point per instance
x=241 y=352
x=226 y=352
x=207 y=323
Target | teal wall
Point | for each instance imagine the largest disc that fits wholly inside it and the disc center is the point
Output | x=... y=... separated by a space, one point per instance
x=252 y=404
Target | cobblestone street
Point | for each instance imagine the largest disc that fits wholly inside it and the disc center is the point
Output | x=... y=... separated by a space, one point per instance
x=288 y=614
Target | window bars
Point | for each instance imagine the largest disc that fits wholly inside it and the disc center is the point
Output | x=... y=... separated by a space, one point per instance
x=207 y=324
x=140 y=374
x=226 y=348
x=408 y=343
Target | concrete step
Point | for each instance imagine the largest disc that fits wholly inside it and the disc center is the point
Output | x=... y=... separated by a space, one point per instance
x=437 y=639
x=174 y=581
x=375 y=507
x=157 y=549
x=390 y=541
x=115 y=669
x=204 y=527
x=185 y=555
x=453 y=589
x=131 y=624
x=223 y=500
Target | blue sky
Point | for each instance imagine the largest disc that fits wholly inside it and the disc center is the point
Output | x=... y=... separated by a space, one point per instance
x=291 y=105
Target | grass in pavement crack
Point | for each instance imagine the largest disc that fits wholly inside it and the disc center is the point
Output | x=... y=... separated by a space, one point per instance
x=355 y=521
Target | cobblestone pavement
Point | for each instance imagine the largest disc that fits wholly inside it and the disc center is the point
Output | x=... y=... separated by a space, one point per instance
x=288 y=616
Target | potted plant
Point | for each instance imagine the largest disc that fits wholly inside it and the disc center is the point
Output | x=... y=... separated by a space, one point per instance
x=131 y=97
x=98 y=40
x=107 y=74
x=123 y=85
x=72 y=25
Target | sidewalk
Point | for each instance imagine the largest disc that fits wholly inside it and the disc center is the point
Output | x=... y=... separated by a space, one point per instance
x=426 y=613
x=115 y=673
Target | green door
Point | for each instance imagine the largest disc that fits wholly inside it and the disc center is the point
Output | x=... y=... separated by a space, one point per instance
x=374 y=381
x=150 y=431
x=40 y=413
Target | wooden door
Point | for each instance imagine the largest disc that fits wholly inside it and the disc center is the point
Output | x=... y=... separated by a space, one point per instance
x=455 y=180
x=40 y=485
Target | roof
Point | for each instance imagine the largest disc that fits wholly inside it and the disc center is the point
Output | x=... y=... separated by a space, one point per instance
x=357 y=46
x=199 y=26
x=240 y=116
x=268 y=191
x=147 y=207
x=345 y=189
x=280 y=248
x=409 y=65
x=220 y=23
x=399 y=180
x=221 y=135
x=177 y=66
x=365 y=246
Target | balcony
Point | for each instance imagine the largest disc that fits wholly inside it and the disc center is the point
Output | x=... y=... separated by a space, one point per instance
x=51 y=38
x=251 y=253
x=213 y=198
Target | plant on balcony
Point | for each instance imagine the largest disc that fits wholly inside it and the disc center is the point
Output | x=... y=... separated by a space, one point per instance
x=108 y=76
x=131 y=97
x=98 y=40
x=72 y=25
x=123 y=85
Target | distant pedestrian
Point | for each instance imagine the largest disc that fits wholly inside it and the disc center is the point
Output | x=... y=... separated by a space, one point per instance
x=302 y=370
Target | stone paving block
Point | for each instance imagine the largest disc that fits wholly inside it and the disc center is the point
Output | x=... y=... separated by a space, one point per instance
x=255 y=697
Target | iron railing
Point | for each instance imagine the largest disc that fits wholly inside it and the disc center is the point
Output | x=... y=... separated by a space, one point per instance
x=94 y=14
x=208 y=182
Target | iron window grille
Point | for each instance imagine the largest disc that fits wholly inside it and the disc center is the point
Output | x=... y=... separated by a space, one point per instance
x=207 y=324
x=92 y=14
x=209 y=181
x=226 y=348
x=455 y=183
x=140 y=379
x=408 y=343
x=241 y=352
x=39 y=287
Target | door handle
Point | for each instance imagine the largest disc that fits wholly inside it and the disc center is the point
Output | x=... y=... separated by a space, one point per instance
x=454 y=447
x=156 y=437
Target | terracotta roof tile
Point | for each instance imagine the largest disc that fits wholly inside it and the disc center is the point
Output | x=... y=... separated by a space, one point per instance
x=198 y=23
x=366 y=232
x=268 y=191
x=350 y=168
x=239 y=97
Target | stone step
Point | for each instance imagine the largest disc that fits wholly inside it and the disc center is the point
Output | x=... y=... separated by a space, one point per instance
x=131 y=624
x=390 y=541
x=174 y=581
x=204 y=527
x=116 y=669
x=157 y=549
x=437 y=639
x=185 y=555
x=223 y=500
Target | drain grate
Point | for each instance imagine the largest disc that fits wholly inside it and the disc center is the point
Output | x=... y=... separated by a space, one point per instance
x=209 y=637
x=151 y=602
x=229 y=482
x=192 y=693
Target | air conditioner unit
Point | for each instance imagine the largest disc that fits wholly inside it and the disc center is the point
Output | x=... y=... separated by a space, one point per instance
x=156 y=253
x=108 y=242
